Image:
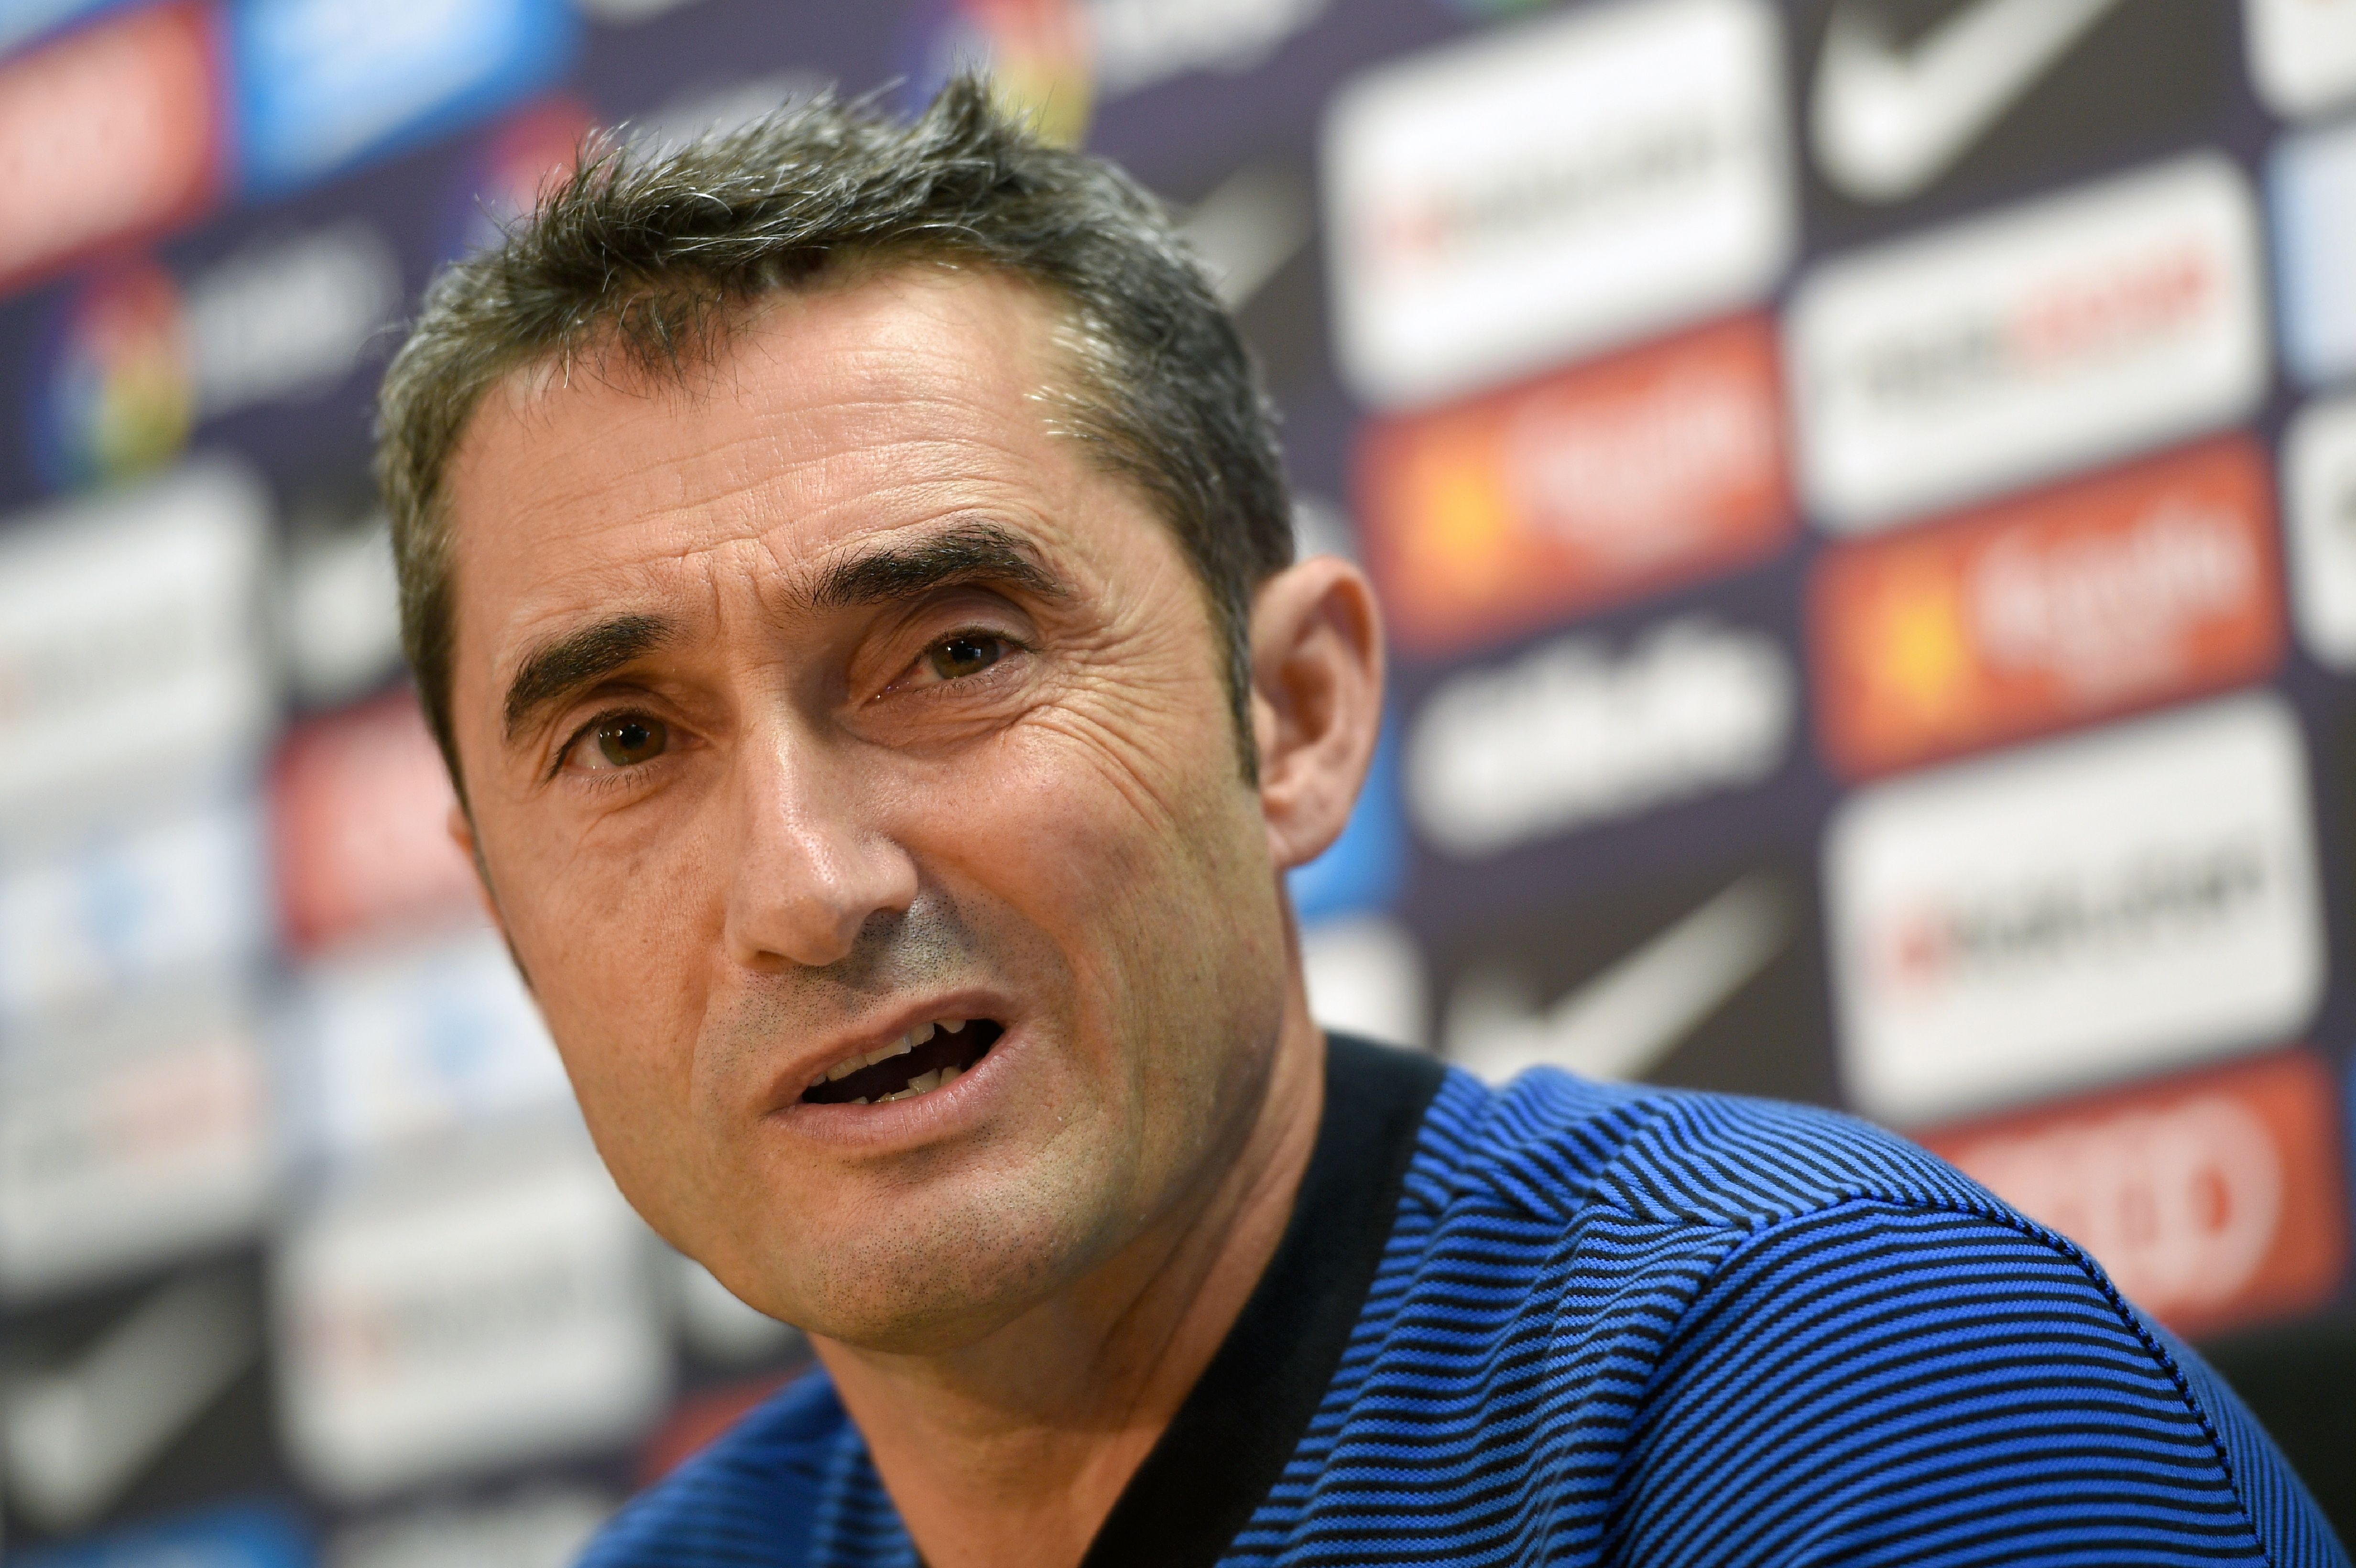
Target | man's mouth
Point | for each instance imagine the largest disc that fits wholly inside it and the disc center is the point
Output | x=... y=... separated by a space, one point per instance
x=927 y=1058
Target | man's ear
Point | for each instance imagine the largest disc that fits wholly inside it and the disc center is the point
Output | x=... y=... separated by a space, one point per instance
x=1316 y=701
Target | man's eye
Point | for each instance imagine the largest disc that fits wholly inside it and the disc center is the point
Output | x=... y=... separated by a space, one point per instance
x=623 y=741
x=965 y=653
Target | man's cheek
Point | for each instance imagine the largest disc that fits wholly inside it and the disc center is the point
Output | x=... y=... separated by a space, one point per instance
x=611 y=946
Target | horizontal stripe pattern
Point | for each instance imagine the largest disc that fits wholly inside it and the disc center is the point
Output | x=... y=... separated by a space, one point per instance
x=1618 y=1326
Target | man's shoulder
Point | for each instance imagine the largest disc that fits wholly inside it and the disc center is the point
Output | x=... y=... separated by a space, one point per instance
x=748 y=1499
x=1743 y=1299
x=1560 y=1147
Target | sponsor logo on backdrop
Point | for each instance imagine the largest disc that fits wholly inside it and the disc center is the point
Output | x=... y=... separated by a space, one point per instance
x=289 y=318
x=1709 y=978
x=1915 y=102
x=105 y=135
x=463 y=1313
x=323 y=85
x=130 y=648
x=81 y=1432
x=2212 y=1201
x=397 y=1046
x=2008 y=347
x=1577 y=733
x=2319 y=505
x=1035 y=51
x=1246 y=229
x=1887 y=121
x=129 y=1138
x=2148 y=583
x=2312 y=180
x=137 y=360
x=2118 y=902
x=111 y=395
x=132 y=904
x=339 y=609
x=1623 y=1020
x=1593 y=485
x=1554 y=187
x=360 y=826
x=241 y=1536
x=1137 y=44
x=2302 y=53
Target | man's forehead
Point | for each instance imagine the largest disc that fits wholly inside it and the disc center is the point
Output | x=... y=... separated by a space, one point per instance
x=835 y=418
x=913 y=367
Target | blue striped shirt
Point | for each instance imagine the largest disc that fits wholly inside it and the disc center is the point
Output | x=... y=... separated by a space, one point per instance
x=1569 y=1323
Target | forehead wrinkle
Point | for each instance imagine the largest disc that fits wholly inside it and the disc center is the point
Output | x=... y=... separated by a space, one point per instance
x=745 y=486
x=913 y=404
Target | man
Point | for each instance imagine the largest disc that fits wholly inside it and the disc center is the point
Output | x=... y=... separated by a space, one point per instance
x=848 y=569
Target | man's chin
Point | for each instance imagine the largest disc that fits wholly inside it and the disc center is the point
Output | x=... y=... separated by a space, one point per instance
x=923 y=1286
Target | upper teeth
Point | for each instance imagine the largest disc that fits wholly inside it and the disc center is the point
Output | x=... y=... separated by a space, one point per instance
x=900 y=1047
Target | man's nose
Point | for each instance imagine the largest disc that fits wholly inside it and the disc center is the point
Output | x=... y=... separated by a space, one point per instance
x=811 y=866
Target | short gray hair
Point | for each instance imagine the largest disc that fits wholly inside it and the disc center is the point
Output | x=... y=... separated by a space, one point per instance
x=654 y=256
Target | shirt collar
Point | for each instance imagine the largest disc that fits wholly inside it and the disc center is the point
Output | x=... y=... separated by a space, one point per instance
x=1230 y=1440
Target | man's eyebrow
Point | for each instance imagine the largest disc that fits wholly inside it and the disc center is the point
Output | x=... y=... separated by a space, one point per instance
x=562 y=665
x=966 y=552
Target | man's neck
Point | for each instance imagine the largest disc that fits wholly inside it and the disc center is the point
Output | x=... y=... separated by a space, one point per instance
x=1014 y=1450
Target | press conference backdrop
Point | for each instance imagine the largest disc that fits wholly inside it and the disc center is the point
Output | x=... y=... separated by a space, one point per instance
x=1864 y=492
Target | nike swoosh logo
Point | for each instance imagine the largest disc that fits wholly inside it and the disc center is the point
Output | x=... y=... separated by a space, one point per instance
x=77 y=1436
x=1623 y=1021
x=1247 y=229
x=1886 y=123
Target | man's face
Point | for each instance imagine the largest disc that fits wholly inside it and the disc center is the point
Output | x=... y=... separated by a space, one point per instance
x=833 y=697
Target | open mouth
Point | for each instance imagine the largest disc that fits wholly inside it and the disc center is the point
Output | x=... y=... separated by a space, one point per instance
x=927 y=1058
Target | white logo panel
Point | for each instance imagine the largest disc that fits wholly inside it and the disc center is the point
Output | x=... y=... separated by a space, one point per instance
x=1573 y=733
x=2011 y=347
x=124 y=1144
x=2120 y=901
x=1552 y=188
x=132 y=646
x=464 y=1317
x=183 y=895
x=389 y=1047
x=2302 y=53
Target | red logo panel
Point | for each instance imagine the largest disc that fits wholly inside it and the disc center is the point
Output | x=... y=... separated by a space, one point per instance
x=1602 y=482
x=107 y=133
x=361 y=809
x=2137 y=586
x=2212 y=1201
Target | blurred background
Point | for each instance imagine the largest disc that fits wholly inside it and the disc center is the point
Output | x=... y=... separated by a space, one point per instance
x=1864 y=492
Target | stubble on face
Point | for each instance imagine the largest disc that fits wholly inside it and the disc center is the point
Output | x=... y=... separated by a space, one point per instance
x=1079 y=846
